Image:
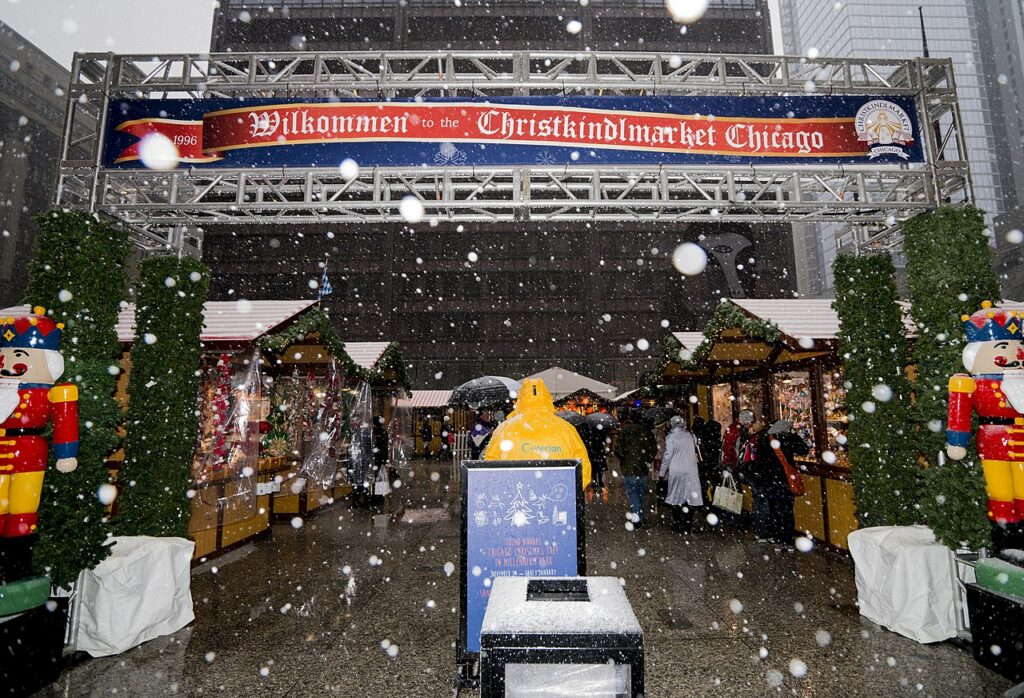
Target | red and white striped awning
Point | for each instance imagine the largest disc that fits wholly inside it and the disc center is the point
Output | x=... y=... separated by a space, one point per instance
x=421 y=399
x=223 y=321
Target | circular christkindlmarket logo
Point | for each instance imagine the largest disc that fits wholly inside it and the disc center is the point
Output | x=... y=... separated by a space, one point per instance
x=885 y=127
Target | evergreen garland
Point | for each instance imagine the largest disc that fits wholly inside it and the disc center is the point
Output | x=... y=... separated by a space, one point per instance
x=726 y=316
x=950 y=274
x=163 y=389
x=316 y=321
x=85 y=259
x=873 y=346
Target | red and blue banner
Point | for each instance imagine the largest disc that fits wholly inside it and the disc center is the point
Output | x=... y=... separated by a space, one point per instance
x=518 y=131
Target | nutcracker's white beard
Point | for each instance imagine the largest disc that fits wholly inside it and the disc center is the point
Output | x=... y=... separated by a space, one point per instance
x=1013 y=389
x=8 y=397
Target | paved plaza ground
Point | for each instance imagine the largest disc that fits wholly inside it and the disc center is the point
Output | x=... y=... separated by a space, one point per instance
x=723 y=615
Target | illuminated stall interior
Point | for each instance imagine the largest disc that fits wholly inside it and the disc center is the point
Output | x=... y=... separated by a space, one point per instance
x=777 y=357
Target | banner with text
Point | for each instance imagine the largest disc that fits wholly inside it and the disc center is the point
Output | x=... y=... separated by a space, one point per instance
x=511 y=131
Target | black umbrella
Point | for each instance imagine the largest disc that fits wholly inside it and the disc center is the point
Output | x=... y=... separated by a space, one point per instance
x=602 y=421
x=574 y=418
x=483 y=391
x=656 y=415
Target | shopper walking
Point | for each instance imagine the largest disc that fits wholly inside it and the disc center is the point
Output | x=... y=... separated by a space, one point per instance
x=596 y=441
x=709 y=437
x=773 y=498
x=479 y=435
x=679 y=465
x=427 y=435
x=636 y=450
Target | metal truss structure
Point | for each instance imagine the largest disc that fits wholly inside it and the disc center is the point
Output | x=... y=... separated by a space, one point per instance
x=169 y=209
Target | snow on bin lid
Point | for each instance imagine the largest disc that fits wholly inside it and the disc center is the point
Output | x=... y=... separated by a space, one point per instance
x=607 y=611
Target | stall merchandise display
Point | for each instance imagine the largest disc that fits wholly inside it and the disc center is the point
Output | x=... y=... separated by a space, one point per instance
x=231 y=408
x=323 y=439
x=836 y=419
x=721 y=403
x=751 y=397
x=792 y=395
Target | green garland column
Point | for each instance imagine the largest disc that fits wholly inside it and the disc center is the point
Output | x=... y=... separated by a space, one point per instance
x=78 y=275
x=162 y=392
x=950 y=274
x=873 y=344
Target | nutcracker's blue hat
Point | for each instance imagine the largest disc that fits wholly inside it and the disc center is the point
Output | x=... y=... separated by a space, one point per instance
x=992 y=324
x=33 y=331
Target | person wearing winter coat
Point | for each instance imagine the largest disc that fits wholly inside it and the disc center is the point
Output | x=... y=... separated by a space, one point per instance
x=735 y=436
x=772 y=498
x=679 y=465
x=596 y=441
x=479 y=436
x=636 y=451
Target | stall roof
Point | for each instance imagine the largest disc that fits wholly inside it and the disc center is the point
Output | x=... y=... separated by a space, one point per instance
x=223 y=321
x=689 y=340
x=797 y=318
x=426 y=399
x=562 y=382
x=808 y=328
x=366 y=354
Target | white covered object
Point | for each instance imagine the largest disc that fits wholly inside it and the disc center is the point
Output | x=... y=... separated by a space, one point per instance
x=905 y=581
x=140 y=592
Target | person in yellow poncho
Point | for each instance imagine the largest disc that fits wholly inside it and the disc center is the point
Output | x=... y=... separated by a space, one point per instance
x=534 y=432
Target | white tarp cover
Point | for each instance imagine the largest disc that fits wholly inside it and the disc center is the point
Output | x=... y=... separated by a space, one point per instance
x=905 y=581
x=138 y=593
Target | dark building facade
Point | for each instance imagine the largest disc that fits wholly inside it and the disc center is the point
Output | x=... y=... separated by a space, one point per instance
x=506 y=299
x=31 y=117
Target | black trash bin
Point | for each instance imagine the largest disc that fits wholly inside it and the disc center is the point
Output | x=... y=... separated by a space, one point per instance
x=31 y=648
x=562 y=636
x=997 y=628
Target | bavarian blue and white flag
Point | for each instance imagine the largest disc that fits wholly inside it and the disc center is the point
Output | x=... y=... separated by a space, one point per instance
x=325 y=286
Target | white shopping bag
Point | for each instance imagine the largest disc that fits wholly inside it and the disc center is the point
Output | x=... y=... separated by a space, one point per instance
x=728 y=496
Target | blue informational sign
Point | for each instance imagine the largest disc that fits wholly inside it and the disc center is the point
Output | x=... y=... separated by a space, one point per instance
x=465 y=131
x=519 y=519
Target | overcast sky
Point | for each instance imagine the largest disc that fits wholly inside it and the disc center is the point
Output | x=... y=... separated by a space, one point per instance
x=61 y=27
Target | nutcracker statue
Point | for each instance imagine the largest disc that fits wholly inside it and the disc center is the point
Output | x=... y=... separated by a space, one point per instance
x=30 y=364
x=994 y=357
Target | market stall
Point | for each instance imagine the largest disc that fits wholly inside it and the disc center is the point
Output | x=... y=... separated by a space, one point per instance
x=335 y=388
x=431 y=407
x=777 y=357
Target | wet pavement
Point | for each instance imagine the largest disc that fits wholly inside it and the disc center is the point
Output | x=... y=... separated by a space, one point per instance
x=723 y=615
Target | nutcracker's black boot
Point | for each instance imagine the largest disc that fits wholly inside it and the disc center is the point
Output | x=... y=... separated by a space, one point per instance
x=16 y=558
x=1008 y=536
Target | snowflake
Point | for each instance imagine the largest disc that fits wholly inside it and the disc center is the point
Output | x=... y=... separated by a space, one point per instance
x=545 y=157
x=448 y=154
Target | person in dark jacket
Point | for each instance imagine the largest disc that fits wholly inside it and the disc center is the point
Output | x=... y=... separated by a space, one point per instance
x=480 y=435
x=427 y=435
x=636 y=451
x=596 y=442
x=710 y=436
x=773 y=499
